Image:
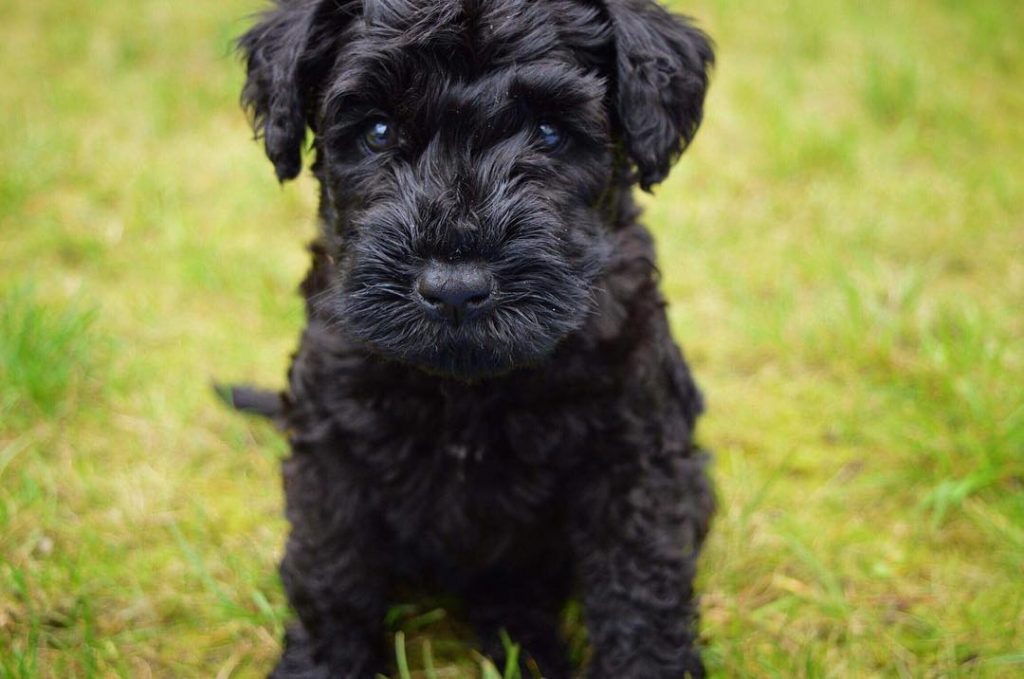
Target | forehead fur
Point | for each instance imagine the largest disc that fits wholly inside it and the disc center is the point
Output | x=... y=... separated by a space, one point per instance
x=483 y=33
x=465 y=39
x=431 y=59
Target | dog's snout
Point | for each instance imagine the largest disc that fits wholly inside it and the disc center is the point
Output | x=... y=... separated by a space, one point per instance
x=455 y=292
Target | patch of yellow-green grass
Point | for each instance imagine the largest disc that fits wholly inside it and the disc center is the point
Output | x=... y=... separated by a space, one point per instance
x=45 y=353
x=845 y=264
x=844 y=252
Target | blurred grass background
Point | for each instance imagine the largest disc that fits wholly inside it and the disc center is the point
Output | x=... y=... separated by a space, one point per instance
x=843 y=247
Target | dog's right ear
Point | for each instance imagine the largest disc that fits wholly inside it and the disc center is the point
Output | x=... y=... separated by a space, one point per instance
x=288 y=54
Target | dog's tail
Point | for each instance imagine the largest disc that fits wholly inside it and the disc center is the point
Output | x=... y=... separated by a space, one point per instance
x=252 y=400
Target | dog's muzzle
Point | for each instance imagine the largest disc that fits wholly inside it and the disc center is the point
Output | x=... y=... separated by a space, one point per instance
x=455 y=292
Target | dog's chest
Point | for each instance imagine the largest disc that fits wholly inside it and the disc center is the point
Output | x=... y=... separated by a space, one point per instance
x=468 y=484
x=476 y=483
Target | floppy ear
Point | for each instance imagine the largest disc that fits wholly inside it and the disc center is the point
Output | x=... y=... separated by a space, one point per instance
x=288 y=54
x=662 y=64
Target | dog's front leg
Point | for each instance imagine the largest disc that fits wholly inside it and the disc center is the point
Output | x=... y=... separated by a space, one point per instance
x=331 y=573
x=636 y=536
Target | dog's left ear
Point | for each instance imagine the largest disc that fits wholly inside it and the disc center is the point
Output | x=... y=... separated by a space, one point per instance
x=288 y=54
x=662 y=63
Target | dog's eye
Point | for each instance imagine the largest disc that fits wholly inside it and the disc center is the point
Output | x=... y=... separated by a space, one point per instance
x=379 y=136
x=550 y=135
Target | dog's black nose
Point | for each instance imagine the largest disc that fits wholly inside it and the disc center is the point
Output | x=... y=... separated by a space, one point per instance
x=455 y=292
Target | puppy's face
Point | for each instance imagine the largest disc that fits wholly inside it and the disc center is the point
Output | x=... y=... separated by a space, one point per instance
x=467 y=156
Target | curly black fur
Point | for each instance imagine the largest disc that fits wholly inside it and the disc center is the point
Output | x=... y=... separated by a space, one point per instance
x=545 y=447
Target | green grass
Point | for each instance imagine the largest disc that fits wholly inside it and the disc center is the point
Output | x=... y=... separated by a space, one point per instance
x=844 y=251
x=45 y=351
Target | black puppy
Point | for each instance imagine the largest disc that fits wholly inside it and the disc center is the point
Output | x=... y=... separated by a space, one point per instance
x=487 y=399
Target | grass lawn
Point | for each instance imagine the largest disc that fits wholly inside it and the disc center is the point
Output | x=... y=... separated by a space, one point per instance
x=844 y=251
